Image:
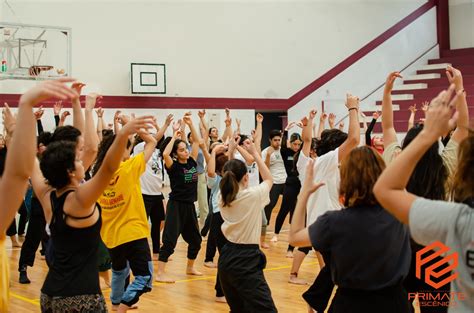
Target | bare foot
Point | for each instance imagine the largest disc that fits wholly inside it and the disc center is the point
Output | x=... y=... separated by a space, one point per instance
x=210 y=264
x=221 y=300
x=193 y=271
x=15 y=244
x=296 y=281
x=264 y=245
x=124 y=308
x=155 y=257
x=274 y=238
x=289 y=254
x=162 y=278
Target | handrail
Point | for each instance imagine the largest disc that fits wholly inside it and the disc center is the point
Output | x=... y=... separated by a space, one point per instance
x=359 y=54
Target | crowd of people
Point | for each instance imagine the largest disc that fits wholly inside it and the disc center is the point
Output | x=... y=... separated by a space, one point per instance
x=93 y=196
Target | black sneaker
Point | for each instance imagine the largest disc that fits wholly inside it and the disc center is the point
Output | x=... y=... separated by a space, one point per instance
x=24 y=277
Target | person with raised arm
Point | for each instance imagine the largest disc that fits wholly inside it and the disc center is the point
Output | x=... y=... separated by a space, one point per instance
x=214 y=176
x=241 y=263
x=342 y=237
x=181 y=218
x=333 y=147
x=377 y=141
x=451 y=223
x=17 y=167
x=125 y=227
x=151 y=182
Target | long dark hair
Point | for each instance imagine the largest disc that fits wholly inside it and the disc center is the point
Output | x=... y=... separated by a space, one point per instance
x=103 y=148
x=429 y=178
x=233 y=172
x=57 y=162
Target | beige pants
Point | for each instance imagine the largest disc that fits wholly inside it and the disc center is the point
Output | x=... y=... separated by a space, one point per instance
x=202 y=198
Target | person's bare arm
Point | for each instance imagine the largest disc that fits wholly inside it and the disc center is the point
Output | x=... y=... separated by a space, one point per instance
x=91 y=140
x=169 y=147
x=331 y=120
x=117 y=115
x=211 y=165
x=390 y=187
x=228 y=126
x=322 y=121
x=299 y=235
x=194 y=134
x=150 y=144
x=22 y=148
x=389 y=134
x=262 y=168
x=353 y=137
x=455 y=77
x=77 y=117
x=161 y=132
x=87 y=194
x=258 y=132
x=307 y=130
x=100 y=122
x=270 y=151
x=411 y=119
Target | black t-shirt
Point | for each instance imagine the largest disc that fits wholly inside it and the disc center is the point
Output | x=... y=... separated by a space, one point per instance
x=183 y=181
x=369 y=249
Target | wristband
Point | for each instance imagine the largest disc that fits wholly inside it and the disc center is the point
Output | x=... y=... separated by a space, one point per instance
x=353 y=109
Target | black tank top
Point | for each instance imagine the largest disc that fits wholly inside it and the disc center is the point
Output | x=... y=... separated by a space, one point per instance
x=73 y=270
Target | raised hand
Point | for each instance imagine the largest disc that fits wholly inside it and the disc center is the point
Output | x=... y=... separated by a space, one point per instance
x=187 y=118
x=64 y=115
x=177 y=125
x=412 y=109
x=169 y=119
x=49 y=89
x=352 y=101
x=218 y=149
x=100 y=112
x=259 y=118
x=312 y=114
x=341 y=125
x=91 y=100
x=202 y=114
x=234 y=141
x=425 y=106
x=455 y=77
x=391 y=80
x=9 y=121
x=439 y=119
x=376 y=115
x=58 y=105
x=332 y=119
x=77 y=86
x=323 y=117
x=290 y=126
x=117 y=116
x=124 y=119
x=39 y=113
x=304 y=121
x=309 y=186
x=137 y=125
x=177 y=134
x=250 y=147
x=238 y=121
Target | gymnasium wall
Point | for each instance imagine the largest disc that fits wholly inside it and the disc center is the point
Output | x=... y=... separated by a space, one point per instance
x=461 y=23
x=235 y=49
x=415 y=42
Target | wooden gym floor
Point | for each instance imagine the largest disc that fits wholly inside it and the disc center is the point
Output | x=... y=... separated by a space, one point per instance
x=189 y=293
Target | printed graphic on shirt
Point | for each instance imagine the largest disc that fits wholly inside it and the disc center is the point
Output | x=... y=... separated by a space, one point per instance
x=155 y=163
x=191 y=175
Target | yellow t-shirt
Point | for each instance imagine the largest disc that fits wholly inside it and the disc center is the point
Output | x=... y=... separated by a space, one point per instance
x=4 y=277
x=123 y=211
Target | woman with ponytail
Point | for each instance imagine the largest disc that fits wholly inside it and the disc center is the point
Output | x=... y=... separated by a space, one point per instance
x=241 y=262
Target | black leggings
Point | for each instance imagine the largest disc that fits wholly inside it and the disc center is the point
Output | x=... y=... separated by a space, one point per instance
x=241 y=276
x=12 y=231
x=220 y=242
x=35 y=234
x=275 y=192
x=181 y=219
x=318 y=295
x=156 y=212
x=288 y=204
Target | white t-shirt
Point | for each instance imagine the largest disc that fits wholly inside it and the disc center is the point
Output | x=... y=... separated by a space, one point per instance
x=243 y=218
x=453 y=225
x=151 y=180
x=254 y=179
x=277 y=166
x=325 y=198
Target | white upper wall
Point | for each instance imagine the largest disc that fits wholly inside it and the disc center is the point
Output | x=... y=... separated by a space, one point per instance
x=258 y=49
x=461 y=23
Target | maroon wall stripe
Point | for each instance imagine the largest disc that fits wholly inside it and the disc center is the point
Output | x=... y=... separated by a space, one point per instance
x=157 y=102
x=442 y=24
x=338 y=69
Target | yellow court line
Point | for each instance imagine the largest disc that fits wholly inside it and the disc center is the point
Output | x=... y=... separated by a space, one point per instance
x=37 y=303
x=32 y=301
x=214 y=276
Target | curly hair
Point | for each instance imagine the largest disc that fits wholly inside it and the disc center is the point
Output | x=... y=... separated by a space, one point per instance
x=57 y=162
